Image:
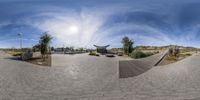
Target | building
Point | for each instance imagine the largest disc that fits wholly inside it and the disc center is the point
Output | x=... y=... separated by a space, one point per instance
x=101 y=49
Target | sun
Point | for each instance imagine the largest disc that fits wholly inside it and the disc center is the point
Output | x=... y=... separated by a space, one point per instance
x=74 y=29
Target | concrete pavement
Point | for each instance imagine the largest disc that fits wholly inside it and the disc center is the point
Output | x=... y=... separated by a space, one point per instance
x=79 y=75
x=24 y=81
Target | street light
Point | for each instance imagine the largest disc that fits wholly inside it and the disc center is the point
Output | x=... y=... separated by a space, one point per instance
x=20 y=36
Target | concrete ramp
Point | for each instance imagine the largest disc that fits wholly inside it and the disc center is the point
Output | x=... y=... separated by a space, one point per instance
x=136 y=67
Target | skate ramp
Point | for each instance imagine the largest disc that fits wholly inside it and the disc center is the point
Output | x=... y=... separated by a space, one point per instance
x=136 y=67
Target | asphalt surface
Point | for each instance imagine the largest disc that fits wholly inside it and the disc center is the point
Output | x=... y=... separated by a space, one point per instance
x=91 y=81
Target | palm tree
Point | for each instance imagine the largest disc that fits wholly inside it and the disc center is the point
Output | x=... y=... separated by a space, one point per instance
x=45 y=39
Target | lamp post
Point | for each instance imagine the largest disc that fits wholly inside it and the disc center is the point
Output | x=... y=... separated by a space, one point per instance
x=20 y=36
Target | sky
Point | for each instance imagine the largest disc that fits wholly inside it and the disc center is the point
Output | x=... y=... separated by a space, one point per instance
x=83 y=23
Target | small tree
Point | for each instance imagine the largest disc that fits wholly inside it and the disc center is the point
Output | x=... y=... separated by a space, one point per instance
x=130 y=46
x=174 y=51
x=125 y=41
x=170 y=51
x=44 y=43
x=127 y=45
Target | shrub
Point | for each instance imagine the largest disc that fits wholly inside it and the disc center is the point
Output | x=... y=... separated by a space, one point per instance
x=148 y=54
x=171 y=58
x=188 y=54
x=17 y=54
x=137 y=54
x=170 y=52
x=27 y=55
x=92 y=54
x=120 y=53
x=156 y=52
x=174 y=51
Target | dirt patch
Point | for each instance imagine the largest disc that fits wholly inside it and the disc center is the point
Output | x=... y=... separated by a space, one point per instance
x=40 y=61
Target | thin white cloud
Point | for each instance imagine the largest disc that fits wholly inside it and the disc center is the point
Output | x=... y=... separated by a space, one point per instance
x=87 y=22
x=90 y=22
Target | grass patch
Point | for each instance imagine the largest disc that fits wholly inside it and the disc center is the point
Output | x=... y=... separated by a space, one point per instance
x=179 y=57
x=15 y=53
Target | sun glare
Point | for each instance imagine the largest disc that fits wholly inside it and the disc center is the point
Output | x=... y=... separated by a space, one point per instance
x=74 y=29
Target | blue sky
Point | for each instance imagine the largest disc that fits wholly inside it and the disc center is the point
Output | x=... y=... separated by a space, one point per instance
x=82 y=23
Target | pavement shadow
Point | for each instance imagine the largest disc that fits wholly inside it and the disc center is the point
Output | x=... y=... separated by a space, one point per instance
x=14 y=58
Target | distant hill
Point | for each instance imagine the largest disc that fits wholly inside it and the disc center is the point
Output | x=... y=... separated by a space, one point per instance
x=164 y=47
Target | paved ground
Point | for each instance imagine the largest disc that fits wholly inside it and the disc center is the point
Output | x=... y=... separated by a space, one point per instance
x=73 y=75
x=24 y=81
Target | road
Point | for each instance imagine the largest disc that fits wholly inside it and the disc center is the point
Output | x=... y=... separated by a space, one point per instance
x=87 y=79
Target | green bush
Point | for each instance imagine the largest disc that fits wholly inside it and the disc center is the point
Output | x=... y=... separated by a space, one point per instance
x=92 y=54
x=17 y=54
x=27 y=55
x=148 y=54
x=137 y=54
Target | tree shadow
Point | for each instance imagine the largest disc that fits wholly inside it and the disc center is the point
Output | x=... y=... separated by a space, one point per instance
x=14 y=58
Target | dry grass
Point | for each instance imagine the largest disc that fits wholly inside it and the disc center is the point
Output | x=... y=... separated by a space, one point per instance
x=172 y=59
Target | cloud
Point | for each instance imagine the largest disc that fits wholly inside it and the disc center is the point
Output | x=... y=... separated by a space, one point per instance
x=89 y=24
x=103 y=27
